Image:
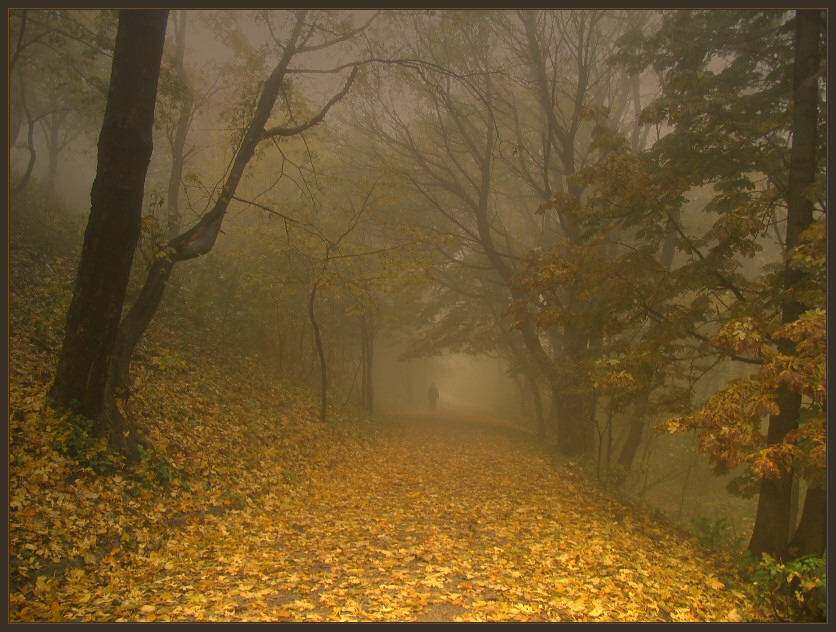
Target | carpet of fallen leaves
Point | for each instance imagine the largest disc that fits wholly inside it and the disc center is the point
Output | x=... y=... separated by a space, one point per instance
x=260 y=513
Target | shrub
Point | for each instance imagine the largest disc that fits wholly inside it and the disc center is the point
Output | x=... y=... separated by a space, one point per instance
x=795 y=590
x=78 y=442
x=712 y=534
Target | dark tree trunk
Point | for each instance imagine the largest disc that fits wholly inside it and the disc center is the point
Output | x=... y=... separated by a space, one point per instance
x=141 y=313
x=811 y=536
x=571 y=411
x=771 y=530
x=573 y=406
x=125 y=146
x=772 y=520
x=631 y=444
x=538 y=405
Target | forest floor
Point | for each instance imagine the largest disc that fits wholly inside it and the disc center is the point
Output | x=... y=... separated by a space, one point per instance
x=250 y=509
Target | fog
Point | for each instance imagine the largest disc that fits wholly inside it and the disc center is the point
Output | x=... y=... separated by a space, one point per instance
x=465 y=382
x=504 y=203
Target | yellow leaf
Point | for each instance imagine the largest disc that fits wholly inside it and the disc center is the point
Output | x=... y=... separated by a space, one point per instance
x=733 y=615
x=597 y=611
x=714 y=583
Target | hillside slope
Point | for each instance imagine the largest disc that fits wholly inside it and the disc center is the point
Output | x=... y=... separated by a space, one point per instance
x=249 y=509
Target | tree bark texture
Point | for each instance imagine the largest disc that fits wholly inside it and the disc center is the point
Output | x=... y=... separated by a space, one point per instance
x=124 y=153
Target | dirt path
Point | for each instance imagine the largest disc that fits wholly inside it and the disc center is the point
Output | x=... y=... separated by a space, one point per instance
x=430 y=522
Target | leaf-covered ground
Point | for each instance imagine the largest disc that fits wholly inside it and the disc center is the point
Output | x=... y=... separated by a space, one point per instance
x=260 y=513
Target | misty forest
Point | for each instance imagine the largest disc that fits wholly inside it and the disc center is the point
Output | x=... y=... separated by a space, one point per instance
x=417 y=315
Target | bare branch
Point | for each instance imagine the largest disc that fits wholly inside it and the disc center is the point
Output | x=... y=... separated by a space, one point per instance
x=316 y=120
x=265 y=208
x=341 y=38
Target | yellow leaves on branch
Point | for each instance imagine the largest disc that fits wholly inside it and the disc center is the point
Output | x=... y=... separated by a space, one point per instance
x=609 y=376
x=730 y=419
x=742 y=336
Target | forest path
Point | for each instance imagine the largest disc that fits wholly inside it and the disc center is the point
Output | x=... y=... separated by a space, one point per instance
x=430 y=521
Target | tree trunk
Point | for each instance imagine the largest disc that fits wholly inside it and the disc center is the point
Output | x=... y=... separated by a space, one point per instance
x=631 y=444
x=771 y=530
x=363 y=359
x=635 y=432
x=571 y=434
x=15 y=107
x=323 y=369
x=200 y=238
x=811 y=536
x=125 y=146
x=53 y=137
x=573 y=406
x=135 y=322
x=538 y=404
x=279 y=341
x=303 y=334
x=141 y=313
x=228 y=301
x=368 y=354
x=30 y=144
x=184 y=119
x=637 y=424
x=195 y=241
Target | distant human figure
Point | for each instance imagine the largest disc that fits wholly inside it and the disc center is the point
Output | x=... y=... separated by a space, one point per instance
x=432 y=395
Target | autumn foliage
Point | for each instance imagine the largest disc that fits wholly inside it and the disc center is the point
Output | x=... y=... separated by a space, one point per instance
x=249 y=509
x=639 y=239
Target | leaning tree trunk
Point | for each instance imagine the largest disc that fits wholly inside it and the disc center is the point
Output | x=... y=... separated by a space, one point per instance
x=197 y=240
x=125 y=145
x=771 y=530
x=200 y=238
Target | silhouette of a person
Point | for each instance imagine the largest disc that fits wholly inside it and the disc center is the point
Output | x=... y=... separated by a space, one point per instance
x=432 y=395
